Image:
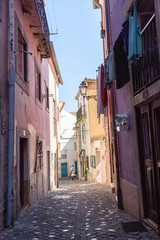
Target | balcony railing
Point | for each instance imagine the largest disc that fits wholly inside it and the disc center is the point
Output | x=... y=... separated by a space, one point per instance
x=146 y=69
x=81 y=112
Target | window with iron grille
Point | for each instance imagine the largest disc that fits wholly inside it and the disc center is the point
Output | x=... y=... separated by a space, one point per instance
x=146 y=69
x=93 y=161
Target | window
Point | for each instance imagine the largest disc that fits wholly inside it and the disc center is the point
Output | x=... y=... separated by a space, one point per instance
x=54 y=118
x=47 y=97
x=38 y=85
x=83 y=134
x=22 y=57
x=93 y=161
x=87 y=162
x=63 y=156
x=75 y=146
x=40 y=154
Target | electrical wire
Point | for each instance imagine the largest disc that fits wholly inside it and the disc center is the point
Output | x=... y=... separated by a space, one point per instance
x=54 y=15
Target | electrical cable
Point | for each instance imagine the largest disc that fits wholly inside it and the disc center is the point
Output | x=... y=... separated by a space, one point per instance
x=54 y=15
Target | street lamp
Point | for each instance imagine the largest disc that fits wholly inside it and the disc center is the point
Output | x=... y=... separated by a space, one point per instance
x=83 y=91
x=83 y=88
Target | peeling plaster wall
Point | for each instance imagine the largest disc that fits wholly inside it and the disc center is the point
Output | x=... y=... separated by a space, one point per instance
x=32 y=117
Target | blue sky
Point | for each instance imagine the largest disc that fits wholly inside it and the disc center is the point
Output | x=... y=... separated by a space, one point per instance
x=78 y=45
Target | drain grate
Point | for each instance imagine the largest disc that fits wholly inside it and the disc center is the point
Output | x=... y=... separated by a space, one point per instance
x=133 y=227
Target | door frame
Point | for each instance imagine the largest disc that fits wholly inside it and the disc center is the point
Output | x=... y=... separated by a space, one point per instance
x=21 y=133
x=147 y=105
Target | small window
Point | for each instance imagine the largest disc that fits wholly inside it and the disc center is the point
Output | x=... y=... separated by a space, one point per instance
x=38 y=85
x=63 y=156
x=40 y=154
x=22 y=57
x=47 y=97
x=93 y=161
x=87 y=162
x=54 y=118
x=83 y=134
x=75 y=146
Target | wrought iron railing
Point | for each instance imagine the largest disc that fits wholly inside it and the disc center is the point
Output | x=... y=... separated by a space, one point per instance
x=81 y=112
x=146 y=69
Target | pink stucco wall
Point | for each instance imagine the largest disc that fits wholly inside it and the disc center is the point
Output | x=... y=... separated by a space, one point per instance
x=26 y=109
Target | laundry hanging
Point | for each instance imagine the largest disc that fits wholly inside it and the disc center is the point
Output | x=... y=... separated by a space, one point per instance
x=121 y=61
x=100 y=108
x=103 y=90
x=112 y=66
x=134 y=37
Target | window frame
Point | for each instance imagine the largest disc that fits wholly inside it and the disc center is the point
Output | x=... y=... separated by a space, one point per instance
x=22 y=81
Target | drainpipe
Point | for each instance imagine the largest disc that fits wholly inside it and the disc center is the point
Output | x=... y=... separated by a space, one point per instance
x=113 y=112
x=11 y=116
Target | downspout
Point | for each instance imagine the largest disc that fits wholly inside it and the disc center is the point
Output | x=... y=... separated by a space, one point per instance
x=11 y=116
x=113 y=111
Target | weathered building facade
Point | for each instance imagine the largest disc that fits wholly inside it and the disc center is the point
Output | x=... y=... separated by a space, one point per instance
x=93 y=159
x=138 y=146
x=28 y=152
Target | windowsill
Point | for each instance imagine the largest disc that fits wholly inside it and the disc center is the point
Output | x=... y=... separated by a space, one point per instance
x=24 y=85
x=39 y=104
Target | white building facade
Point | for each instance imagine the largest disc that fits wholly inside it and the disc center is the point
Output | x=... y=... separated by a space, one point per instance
x=68 y=145
x=54 y=80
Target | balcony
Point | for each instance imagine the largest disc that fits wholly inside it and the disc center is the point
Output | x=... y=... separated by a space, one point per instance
x=146 y=69
x=81 y=113
x=35 y=11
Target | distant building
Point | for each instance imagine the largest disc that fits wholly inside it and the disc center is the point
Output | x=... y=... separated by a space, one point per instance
x=91 y=142
x=68 y=144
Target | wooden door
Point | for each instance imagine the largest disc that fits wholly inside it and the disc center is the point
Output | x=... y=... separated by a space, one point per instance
x=150 y=159
x=156 y=135
x=148 y=173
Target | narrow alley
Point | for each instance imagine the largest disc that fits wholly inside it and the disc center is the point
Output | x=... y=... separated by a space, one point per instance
x=76 y=210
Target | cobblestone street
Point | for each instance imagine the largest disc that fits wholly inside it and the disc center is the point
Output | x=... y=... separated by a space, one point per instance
x=77 y=210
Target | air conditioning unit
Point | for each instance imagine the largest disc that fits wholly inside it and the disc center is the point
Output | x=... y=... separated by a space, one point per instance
x=96 y=4
x=102 y=33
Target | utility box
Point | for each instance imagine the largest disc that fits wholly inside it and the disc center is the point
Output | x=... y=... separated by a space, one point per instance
x=122 y=122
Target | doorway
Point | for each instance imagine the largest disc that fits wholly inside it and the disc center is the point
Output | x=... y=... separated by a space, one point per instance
x=23 y=173
x=76 y=169
x=64 y=173
x=149 y=135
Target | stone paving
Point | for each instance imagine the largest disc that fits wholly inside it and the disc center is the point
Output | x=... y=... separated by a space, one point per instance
x=77 y=210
